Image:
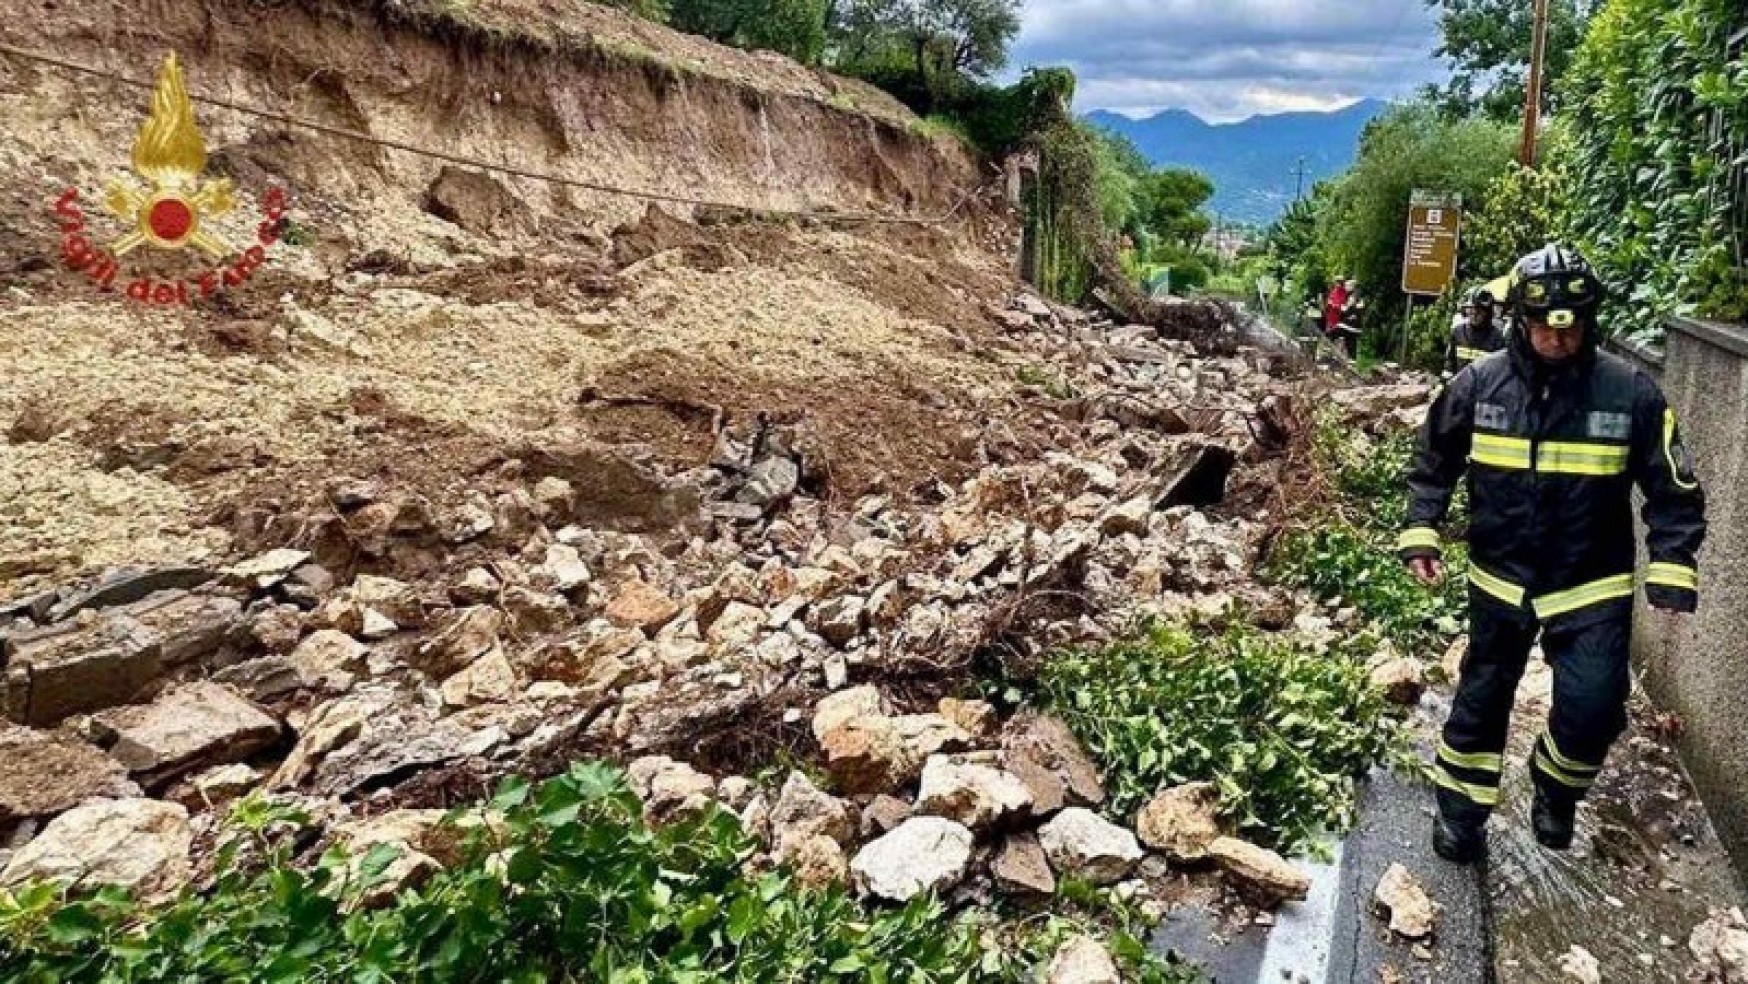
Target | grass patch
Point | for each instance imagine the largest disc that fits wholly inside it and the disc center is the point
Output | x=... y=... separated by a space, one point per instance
x=1281 y=728
x=938 y=127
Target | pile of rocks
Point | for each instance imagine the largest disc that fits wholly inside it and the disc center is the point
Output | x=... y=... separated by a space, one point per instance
x=956 y=803
x=377 y=637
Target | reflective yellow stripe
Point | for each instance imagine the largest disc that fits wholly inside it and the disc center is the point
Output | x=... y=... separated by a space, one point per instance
x=1669 y=453
x=1484 y=795
x=1673 y=576
x=1498 y=587
x=1501 y=452
x=1565 y=458
x=1483 y=761
x=1585 y=595
x=1570 y=765
x=1470 y=354
x=1417 y=536
x=1554 y=772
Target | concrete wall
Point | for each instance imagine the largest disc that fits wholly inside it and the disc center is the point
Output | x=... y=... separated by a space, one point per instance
x=1700 y=671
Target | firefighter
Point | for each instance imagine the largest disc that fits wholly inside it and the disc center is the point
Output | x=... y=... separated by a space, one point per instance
x=1475 y=335
x=1554 y=435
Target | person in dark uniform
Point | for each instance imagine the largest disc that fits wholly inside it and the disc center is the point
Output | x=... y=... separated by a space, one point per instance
x=1476 y=335
x=1553 y=435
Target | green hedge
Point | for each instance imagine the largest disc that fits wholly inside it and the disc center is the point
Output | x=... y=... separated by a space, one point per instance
x=1650 y=198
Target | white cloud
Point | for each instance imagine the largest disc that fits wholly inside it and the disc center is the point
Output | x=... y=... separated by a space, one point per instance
x=1232 y=58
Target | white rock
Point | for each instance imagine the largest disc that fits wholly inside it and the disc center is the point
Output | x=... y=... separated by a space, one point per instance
x=1083 y=960
x=1579 y=964
x=138 y=844
x=564 y=569
x=1720 y=946
x=924 y=854
x=1400 y=896
x=976 y=795
x=1080 y=842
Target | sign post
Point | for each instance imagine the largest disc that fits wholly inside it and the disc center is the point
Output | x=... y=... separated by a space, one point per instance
x=1429 y=259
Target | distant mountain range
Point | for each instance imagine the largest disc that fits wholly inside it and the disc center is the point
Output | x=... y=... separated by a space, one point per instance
x=1251 y=162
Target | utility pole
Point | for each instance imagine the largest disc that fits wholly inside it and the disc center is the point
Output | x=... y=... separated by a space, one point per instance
x=1299 y=195
x=1532 y=108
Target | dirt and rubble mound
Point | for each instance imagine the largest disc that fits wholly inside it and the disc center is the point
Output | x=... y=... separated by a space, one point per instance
x=483 y=475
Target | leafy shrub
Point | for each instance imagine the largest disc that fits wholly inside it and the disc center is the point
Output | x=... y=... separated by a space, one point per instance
x=1281 y=728
x=1338 y=560
x=1350 y=553
x=572 y=887
x=1650 y=195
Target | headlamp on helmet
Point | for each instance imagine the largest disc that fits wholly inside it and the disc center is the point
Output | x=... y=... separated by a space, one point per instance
x=1555 y=285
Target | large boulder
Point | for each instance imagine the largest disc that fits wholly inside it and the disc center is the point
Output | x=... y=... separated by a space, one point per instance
x=1080 y=842
x=1259 y=874
x=924 y=854
x=978 y=795
x=472 y=200
x=1045 y=755
x=190 y=727
x=1181 y=822
x=802 y=812
x=138 y=844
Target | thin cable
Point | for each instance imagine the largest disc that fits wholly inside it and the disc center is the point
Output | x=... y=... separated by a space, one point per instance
x=348 y=134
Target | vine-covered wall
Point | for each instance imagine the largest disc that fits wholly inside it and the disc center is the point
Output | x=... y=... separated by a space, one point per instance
x=1654 y=123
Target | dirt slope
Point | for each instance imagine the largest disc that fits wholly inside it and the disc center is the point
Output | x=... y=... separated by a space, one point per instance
x=416 y=349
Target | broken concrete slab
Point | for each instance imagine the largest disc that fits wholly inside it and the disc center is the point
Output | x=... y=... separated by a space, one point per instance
x=77 y=667
x=128 y=585
x=190 y=727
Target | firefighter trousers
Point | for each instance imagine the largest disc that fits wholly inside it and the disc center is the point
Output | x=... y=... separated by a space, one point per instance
x=1592 y=681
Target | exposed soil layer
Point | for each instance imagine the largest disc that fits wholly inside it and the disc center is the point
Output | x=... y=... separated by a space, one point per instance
x=425 y=323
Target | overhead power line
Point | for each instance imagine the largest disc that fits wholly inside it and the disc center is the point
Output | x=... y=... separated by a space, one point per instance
x=474 y=162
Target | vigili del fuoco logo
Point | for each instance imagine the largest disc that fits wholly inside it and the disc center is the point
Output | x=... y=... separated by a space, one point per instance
x=167 y=203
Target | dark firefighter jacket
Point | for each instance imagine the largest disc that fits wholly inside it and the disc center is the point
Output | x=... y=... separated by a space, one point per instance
x=1469 y=343
x=1552 y=455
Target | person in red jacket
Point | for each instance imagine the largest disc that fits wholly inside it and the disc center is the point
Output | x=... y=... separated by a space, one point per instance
x=1334 y=306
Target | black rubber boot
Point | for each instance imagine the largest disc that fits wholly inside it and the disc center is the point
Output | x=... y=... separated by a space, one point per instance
x=1553 y=821
x=1459 y=842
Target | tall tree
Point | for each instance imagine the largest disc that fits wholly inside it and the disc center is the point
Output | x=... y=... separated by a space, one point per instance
x=1487 y=44
x=941 y=42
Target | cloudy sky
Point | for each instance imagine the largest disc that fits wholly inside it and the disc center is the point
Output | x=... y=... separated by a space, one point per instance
x=1227 y=59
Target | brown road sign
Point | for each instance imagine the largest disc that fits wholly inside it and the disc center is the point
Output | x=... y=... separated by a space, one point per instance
x=1435 y=227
